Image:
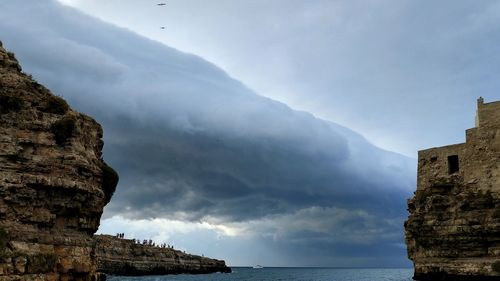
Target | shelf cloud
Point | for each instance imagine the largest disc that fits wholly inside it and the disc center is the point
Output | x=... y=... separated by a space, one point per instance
x=195 y=146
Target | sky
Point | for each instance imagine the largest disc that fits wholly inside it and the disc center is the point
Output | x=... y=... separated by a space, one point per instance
x=405 y=74
x=279 y=133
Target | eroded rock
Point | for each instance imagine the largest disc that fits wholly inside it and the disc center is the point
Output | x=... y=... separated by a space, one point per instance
x=453 y=231
x=125 y=257
x=53 y=182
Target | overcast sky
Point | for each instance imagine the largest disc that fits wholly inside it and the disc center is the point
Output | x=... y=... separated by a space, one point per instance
x=405 y=74
x=264 y=132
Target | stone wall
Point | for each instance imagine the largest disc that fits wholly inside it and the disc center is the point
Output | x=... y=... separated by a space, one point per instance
x=53 y=182
x=125 y=257
x=453 y=231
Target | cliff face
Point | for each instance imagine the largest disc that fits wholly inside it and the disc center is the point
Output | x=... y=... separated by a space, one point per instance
x=125 y=257
x=53 y=182
x=453 y=231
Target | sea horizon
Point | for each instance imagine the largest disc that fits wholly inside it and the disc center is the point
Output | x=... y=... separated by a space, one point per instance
x=286 y=273
x=327 y=267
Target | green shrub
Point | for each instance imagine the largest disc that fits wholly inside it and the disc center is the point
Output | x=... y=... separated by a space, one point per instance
x=63 y=130
x=11 y=55
x=109 y=180
x=496 y=266
x=13 y=62
x=10 y=103
x=56 y=105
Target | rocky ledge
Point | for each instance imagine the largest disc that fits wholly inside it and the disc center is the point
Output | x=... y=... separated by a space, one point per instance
x=126 y=257
x=454 y=233
x=53 y=182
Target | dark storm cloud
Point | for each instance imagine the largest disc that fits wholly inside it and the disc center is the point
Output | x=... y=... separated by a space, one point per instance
x=191 y=143
x=243 y=177
x=404 y=73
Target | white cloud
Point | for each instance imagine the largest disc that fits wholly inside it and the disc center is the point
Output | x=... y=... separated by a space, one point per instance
x=68 y=2
x=158 y=229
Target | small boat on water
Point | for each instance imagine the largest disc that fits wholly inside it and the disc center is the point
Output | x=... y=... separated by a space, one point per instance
x=258 y=266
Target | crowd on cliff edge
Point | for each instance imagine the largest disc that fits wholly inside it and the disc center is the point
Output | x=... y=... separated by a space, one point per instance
x=147 y=242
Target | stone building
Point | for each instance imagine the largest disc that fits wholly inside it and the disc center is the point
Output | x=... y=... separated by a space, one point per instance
x=476 y=160
x=453 y=231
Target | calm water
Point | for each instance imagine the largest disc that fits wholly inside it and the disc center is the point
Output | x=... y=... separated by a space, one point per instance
x=288 y=274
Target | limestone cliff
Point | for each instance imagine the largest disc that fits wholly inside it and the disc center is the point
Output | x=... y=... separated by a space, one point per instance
x=53 y=182
x=453 y=231
x=125 y=257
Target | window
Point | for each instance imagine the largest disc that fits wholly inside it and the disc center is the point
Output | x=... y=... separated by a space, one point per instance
x=453 y=164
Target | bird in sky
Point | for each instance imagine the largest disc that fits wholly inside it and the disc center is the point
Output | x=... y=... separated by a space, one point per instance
x=162 y=27
x=161 y=4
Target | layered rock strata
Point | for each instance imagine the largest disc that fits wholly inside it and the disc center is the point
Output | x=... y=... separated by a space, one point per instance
x=125 y=257
x=453 y=231
x=53 y=182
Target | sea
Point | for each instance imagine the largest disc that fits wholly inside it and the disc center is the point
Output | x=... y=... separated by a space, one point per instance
x=287 y=274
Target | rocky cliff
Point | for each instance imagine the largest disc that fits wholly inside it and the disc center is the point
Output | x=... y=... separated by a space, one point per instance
x=54 y=186
x=53 y=182
x=453 y=231
x=126 y=257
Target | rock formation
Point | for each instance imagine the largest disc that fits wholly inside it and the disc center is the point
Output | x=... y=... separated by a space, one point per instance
x=53 y=182
x=53 y=188
x=453 y=231
x=125 y=257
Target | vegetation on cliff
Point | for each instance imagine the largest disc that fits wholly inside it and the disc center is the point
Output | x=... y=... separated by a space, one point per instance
x=10 y=103
x=56 y=105
x=63 y=130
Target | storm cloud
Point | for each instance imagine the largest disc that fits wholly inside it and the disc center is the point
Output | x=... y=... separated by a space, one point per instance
x=192 y=144
x=406 y=74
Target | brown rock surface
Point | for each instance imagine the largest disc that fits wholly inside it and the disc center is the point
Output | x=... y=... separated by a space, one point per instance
x=125 y=257
x=453 y=231
x=51 y=182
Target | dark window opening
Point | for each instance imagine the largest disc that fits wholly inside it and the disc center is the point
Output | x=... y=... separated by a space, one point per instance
x=434 y=159
x=453 y=164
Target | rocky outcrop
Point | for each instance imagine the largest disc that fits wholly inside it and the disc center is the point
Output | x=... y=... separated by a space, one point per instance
x=453 y=231
x=125 y=257
x=53 y=182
